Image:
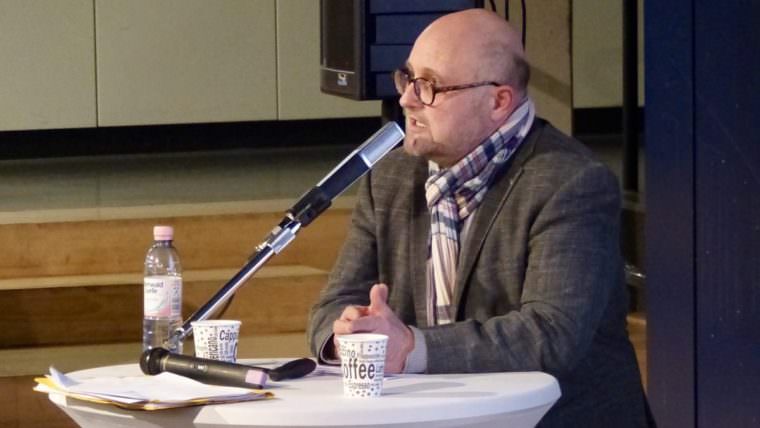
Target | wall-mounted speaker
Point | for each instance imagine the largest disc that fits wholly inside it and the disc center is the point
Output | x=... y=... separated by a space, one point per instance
x=363 y=41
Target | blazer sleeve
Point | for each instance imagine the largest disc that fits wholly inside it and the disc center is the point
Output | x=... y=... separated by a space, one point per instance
x=573 y=266
x=353 y=275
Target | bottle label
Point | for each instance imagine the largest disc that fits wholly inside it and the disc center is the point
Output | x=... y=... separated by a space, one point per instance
x=162 y=296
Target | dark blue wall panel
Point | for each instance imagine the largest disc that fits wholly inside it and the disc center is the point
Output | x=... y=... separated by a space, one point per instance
x=669 y=137
x=703 y=212
x=727 y=120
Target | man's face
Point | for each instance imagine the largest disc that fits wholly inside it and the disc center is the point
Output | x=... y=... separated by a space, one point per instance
x=457 y=121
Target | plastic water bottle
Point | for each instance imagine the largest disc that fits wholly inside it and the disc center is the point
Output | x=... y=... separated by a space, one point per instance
x=162 y=291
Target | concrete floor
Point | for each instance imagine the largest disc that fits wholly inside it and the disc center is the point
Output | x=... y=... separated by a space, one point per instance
x=139 y=180
x=186 y=178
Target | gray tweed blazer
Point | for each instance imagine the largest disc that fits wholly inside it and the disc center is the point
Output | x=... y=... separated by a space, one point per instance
x=539 y=281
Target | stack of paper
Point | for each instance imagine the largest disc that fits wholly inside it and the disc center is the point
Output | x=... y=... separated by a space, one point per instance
x=163 y=391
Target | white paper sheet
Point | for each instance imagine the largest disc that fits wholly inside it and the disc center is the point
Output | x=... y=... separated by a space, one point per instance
x=163 y=390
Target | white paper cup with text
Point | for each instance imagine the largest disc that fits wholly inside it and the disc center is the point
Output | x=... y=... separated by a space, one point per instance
x=362 y=361
x=216 y=339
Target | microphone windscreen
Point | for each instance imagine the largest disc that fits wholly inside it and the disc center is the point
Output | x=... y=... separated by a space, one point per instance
x=293 y=369
x=150 y=361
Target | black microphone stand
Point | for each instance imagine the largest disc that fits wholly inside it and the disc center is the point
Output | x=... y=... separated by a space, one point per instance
x=311 y=205
x=278 y=239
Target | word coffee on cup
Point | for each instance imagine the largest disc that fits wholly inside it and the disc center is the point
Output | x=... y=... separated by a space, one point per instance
x=362 y=361
x=216 y=339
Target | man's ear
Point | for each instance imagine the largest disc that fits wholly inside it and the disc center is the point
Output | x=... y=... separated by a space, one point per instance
x=503 y=102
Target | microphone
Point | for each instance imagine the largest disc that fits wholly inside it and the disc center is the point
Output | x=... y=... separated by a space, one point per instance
x=356 y=164
x=157 y=360
x=308 y=207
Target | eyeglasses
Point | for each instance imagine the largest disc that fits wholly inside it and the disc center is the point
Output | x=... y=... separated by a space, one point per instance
x=425 y=90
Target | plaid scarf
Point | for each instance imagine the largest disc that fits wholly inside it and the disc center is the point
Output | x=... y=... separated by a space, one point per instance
x=453 y=194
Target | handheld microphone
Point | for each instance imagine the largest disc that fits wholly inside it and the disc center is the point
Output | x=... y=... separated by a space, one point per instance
x=356 y=164
x=157 y=360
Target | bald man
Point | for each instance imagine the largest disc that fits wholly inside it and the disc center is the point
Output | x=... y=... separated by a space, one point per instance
x=490 y=242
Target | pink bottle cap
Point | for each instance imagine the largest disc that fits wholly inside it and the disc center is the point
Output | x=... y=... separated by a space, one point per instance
x=163 y=233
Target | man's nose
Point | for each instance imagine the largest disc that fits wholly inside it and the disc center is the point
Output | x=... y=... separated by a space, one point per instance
x=409 y=98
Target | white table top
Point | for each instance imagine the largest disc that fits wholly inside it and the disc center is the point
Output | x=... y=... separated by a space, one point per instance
x=487 y=399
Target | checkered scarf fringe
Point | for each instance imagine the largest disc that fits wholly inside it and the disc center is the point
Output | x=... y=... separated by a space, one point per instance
x=453 y=194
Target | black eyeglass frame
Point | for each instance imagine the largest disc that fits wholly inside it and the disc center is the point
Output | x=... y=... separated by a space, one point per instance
x=401 y=73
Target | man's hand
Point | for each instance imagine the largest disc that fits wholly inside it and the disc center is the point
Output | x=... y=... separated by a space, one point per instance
x=378 y=318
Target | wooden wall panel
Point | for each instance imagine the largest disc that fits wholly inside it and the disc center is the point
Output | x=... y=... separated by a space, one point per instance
x=298 y=61
x=119 y=246
x=113 y=313
x=47 y=71
x=183 y=61
x=25 y=408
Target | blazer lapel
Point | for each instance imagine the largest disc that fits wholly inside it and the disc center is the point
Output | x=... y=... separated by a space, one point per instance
x=486 y=214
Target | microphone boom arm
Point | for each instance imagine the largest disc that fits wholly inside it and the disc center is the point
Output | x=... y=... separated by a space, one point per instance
x=309 y=206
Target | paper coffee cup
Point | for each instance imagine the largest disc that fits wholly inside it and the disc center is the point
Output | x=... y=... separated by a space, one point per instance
x=216 y=339
x=362 y=361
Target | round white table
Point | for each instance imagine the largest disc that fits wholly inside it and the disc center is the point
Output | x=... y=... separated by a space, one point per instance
x=448 y=400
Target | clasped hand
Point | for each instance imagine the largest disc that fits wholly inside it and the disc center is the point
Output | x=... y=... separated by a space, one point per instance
x=379 y=318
